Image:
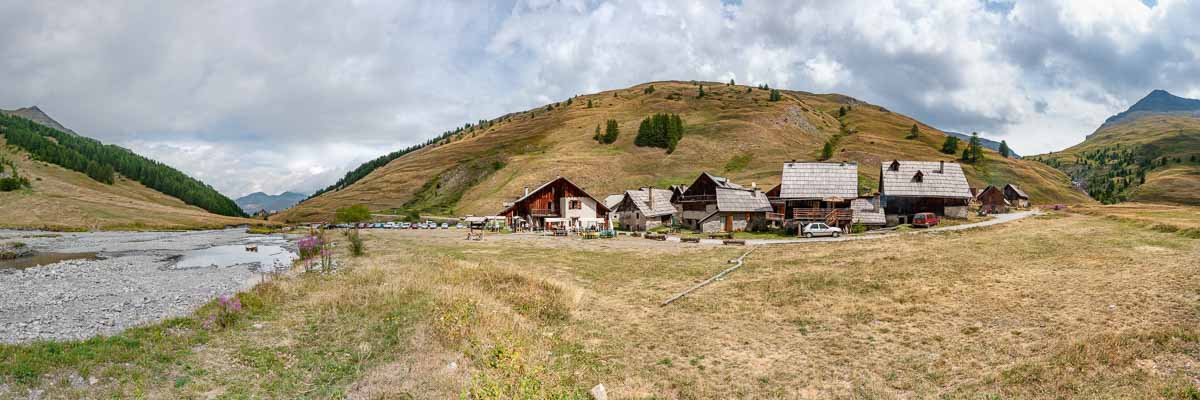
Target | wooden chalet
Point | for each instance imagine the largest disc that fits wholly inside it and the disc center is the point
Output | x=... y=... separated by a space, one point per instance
x=991 y=199
x=714 y=204
x=1016 y=196
x=556 y=205
x=910 y=187
x=816 y=192
x=645 y=209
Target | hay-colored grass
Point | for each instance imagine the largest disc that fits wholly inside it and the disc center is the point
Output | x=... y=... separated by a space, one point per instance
x=1066 y=305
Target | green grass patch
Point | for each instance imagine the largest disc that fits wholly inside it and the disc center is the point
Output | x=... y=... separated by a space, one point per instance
x=738 y=162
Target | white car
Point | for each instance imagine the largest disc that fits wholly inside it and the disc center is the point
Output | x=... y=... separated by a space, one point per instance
x=820 y=229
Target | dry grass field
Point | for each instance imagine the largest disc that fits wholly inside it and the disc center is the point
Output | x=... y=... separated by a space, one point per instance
x=1065 y=305
x=64 y=199
x=732 y=131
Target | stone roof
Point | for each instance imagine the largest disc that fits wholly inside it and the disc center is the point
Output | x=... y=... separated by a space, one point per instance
x=866 y=213
x=924 y=179
x=742 y=200
x=661 y=205
x=722 y=182
x=612 y=200
x=818 y=181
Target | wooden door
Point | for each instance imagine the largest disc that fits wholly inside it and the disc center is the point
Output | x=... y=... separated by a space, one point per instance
x=729 y=223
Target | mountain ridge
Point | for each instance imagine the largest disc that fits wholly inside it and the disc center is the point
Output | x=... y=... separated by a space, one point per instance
x=259 y=201
x=1158 y=101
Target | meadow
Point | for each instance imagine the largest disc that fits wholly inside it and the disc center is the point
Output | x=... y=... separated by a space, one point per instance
x=1063 y=305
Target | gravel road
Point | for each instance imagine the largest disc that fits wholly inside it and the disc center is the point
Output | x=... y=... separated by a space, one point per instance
x=137 y=278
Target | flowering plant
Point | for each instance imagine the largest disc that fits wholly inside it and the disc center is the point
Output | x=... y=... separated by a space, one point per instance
x=228 y=308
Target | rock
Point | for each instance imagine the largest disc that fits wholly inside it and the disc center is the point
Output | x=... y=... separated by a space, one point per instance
x=598 y=392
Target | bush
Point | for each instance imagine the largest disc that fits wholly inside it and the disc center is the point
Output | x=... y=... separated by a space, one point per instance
x=775 y=95
x=356 y=243
x=827 y=151
x=950 y=146
x=354 y=213
x=858 y=228
x=647 y=90
x=913 y=132
x=611 y=131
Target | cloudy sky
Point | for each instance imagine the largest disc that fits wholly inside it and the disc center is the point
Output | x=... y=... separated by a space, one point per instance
x=272 y=96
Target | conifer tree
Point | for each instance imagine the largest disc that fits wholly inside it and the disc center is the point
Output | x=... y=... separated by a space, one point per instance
x=950 y=146
x=913 y=132
x=1004 y=150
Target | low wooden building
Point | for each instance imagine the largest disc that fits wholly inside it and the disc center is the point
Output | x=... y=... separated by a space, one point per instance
x=714 y=204
x=645 y=209
x=816 y=192
x=910 y=187
x=1016 y=196
x=557 y=204
x=991 y=199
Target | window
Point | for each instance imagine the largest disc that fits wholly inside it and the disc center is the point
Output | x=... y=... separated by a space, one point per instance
x=574 y=204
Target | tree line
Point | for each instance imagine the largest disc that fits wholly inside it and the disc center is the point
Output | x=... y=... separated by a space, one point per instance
x=102 y=162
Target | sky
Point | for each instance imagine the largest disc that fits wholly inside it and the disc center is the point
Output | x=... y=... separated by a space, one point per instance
x=289 y=95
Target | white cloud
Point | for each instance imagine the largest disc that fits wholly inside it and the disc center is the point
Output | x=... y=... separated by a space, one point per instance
x=284 y=95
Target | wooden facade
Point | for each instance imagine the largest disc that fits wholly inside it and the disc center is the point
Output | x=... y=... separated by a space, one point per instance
x=557 y=201
x=992 y=200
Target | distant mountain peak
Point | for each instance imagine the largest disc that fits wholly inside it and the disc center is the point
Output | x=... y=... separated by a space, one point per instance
x=1157 y=102
x=35 y=114
x=256 y=201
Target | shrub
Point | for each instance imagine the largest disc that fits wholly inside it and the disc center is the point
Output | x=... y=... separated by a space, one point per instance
x=827 y=151
x=354 y=213
x=611 y=131
x=647 y=90
x=356 y=243
x=913 y=132
x=227 y=313
x=950 y=146
x=775 y=95
x=858 y=228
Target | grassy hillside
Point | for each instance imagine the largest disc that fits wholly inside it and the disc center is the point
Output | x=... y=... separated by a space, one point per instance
x=733 y=130
x=1150 y=158
x=64 y=199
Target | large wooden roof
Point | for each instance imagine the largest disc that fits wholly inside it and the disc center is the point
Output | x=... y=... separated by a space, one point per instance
x=923 y=179
x=818 y=181
x=641 y=200
x=742 y=200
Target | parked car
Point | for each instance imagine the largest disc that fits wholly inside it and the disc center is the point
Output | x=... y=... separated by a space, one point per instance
x=445 y=226
x=403 y=225
x=820 y=229
x=459 y=226
x=925 y=220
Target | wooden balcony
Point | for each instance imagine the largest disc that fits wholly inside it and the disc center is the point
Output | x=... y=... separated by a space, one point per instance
x=775 y=216
x=831 y=216
x=698 y=198
x=543 y=212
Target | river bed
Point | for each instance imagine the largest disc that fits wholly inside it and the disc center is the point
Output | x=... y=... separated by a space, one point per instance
x=104 y=282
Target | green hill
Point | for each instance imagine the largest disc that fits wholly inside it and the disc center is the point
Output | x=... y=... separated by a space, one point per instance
x=732 y=130
x=1149 y=153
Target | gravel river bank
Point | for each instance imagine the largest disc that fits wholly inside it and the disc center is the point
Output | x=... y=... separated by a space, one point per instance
x=110 y=281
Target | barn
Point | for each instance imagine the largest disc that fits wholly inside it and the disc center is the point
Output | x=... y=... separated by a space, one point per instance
x=991 y=199
x=1016 y=196
x=910 y=187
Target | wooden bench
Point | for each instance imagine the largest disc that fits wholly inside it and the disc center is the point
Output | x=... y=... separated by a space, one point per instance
x=690 y=240
x=653 y=236
x=738 y=242
x=720 y=235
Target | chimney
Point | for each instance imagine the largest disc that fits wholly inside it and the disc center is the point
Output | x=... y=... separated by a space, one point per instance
x=941 y=167
x=650 y=197
x=527 y=190
x=754 y=185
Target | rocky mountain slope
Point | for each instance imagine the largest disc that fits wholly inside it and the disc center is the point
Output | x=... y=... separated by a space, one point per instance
x=1148 y=153
x=732 y=130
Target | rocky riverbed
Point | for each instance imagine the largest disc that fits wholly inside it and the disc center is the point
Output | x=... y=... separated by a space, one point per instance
x=134 y=278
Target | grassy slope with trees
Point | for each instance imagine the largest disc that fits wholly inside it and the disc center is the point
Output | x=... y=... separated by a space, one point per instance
x=764 y=126
x=1151 y=158
x=102 y=162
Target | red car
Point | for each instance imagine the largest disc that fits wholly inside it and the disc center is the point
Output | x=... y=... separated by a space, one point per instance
x=925 y=220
